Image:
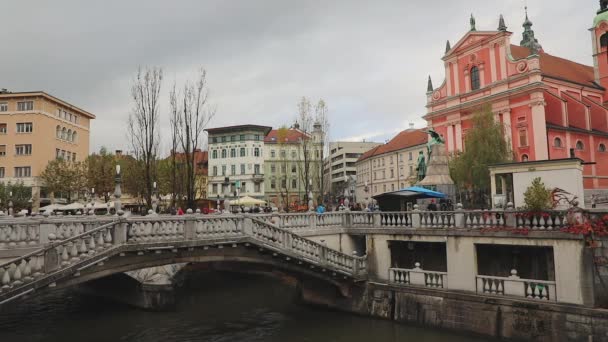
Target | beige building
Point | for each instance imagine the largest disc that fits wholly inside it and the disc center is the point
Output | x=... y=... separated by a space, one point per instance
x=391 y=166
x=339 y=166
x=36 y=128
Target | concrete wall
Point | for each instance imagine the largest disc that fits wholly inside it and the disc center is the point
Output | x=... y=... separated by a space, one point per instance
x=571 y=264
x=570 y=180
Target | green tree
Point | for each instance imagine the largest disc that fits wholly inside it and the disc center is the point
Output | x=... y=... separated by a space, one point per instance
x=484 y=145
x=20 y=197
x=537 y=196
x=65 y=177
x=100 y=172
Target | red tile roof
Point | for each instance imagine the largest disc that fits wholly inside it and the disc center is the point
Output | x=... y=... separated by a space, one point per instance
x=404 y=139
x=560 y=68
x=292 y=136
x=201 y=159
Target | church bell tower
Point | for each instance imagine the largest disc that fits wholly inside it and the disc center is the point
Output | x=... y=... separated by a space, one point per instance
x=599 y=36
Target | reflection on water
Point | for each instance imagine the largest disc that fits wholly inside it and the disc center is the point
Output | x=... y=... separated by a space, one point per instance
x=212 y=307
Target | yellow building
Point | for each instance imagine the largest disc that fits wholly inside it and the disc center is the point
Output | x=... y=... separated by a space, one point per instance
x=36 y=128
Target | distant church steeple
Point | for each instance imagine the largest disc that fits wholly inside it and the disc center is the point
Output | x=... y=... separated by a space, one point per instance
x=603 y=6
x=501 y=24
x=529 y=40
x=429 y=86
x=447 y=47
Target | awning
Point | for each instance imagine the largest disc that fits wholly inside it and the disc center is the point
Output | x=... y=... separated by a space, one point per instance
x=425 y=191
x=247 y=200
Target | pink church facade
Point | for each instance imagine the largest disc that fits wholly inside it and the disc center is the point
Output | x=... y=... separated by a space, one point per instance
x=550 y=107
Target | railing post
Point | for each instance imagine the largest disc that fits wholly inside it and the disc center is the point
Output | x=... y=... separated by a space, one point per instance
x=46 y=228
x=355 y=264
x=510 y=219
x=51 y=260
x=346 y=219
x=247 y=225
x=377 y=219
x=312 y=220
x=322 y=255
x=459 y=220
x=190 y=227
x=120 y=232
x=416 y=217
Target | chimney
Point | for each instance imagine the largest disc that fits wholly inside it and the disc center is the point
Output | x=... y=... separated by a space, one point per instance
x=118 y=153
x=411 y=125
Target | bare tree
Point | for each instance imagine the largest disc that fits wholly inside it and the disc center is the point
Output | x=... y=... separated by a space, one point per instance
x=193 y=112
x=311 y=159
x=173 y=120
x=322 y=117
x=143 y=124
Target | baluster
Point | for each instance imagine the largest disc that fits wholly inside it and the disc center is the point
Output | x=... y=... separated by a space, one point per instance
x=6 y=279
x=73 y=251
x=64 y=256
x=500 y=289
x=91 y=244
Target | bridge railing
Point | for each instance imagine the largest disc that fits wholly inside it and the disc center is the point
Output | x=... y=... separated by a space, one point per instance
x=58 y=254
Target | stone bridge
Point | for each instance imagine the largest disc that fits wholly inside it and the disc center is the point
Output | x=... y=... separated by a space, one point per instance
x=80 y=251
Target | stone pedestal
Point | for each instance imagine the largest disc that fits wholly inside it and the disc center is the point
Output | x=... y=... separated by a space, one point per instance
x=438 y=172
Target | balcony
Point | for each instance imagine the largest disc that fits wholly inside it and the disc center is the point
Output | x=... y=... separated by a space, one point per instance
x=258 y=177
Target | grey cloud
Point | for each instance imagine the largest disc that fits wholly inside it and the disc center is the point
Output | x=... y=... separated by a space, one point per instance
x=368 y=60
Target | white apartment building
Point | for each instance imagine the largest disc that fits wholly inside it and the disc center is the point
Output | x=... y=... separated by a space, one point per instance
x=236 y=161
x=391 y=166
x=339 y=166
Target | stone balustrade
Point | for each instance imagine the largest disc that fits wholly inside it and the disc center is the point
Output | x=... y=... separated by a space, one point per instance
x=418 y=276
x=74 y=246
x=517 y=287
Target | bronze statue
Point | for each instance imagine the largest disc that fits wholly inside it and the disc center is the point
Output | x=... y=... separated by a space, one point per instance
x=436 y=139
x=421 y=166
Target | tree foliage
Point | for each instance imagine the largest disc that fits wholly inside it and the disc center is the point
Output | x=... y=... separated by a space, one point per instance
x=484 y=145
x=20 y=197
x=65 y=177
x=537 y=196
x=100 y=172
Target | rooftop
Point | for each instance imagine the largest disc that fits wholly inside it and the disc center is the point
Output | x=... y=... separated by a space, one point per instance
x=239 y=128
x=4 y=94
x=405 y=139
x=291 y=136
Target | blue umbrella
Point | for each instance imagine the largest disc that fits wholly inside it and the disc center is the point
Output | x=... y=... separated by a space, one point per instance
x=426 y=192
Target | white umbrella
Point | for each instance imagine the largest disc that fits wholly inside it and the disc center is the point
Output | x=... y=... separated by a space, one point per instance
x=101 y=205
x=50 y=207
x=72 y=206
x=247 y=200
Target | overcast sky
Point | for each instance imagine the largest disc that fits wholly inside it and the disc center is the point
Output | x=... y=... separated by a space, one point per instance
x=369 y=60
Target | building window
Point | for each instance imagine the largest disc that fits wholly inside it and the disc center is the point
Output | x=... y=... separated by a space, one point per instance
x=215 y=171
x=64 y=133
x=523 y=138
x=392 y=187
x=223 y=153
x=214 y=154
x=256 y=152
x=474 y=78
x=273 y=168
x=272 y=154
x=242 y=137
x=294 y=183
x=392 y=173
x=223 y=170
x=23 y=150
x=601 y=148
x=524 y=158
x=283 y=154
x=242 y=169
x=256 y=169
x=24 y=127
x=256 y=137
x=3 y=107
x=293 y=168
x=214 y=187
x=2 y=128
x=58 y=132
x=283 y=183
x=256 y=187
x=273 y=184
x=579 y=145
x=384 y=187
x=74 y=136
x=73 y=156
x=1 y=172
x=2 y=150
x=232 y=153
x=223 y=139
x=213 y=141
x=23 y=171
x=233 y=170
x=25 y=105
x=233 y=138
x=242 y=151
x=557 y=142
x=293 y=154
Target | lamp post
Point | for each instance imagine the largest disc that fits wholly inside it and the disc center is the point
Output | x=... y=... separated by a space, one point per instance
x=218 y=202
x=117 y=192
x=154 y=197
x=10 y=203
x=92 y=211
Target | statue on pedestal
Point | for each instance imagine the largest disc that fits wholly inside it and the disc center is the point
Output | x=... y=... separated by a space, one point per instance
x=421 y=166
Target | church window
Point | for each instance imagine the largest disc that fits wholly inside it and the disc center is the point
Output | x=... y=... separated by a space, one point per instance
x=557 y=142
x=523 y=138
x=602 y=148
x=604 y=40
x=524 y=158
x=475 y=78
x=579 y=145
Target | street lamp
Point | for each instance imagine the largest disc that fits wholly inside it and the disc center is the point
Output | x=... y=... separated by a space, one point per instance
x=10 y=203
x=117 y=191
x=92 y=211
x=154 y=197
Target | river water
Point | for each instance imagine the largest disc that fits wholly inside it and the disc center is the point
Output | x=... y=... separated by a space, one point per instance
x=211 y=307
